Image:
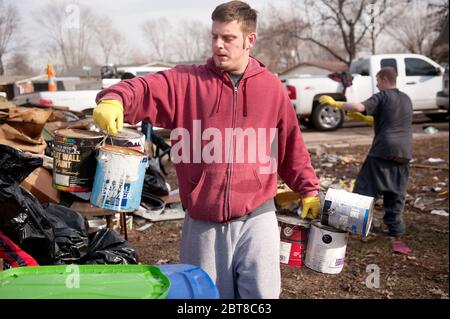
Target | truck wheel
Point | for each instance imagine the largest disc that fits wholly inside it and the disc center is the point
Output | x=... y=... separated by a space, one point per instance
x=327 y=118
x=306 y=122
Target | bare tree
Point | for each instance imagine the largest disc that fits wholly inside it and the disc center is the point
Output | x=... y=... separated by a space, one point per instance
x=192 y=41
x=415 y=34
x=111 y=42
x=9 y=26
x=18 y=64
x=438 y=12
x=339 y=27
x=440 y=16
x=158 y=32
x=277 y=49
x=381 y=15
x=69 y=29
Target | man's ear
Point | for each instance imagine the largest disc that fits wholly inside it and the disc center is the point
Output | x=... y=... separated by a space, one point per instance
x=251 y=40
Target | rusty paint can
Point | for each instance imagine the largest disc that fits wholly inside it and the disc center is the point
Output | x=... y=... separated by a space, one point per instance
x=293 y=240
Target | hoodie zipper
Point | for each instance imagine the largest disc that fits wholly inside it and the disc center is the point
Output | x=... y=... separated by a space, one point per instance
x=230 y=165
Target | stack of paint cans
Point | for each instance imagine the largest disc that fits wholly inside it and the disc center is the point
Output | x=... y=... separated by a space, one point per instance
x=293 y=240
x=342 y=212
x=110 y=169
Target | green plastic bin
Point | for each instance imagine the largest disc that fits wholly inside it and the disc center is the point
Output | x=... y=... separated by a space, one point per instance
x=84 y=282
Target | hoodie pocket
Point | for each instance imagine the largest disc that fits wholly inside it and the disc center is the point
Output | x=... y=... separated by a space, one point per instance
x=207 y=199
x=245 y=189
x=246 y=181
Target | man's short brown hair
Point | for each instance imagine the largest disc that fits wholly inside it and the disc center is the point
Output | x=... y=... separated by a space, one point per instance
x=389 y=73
x=236 y=10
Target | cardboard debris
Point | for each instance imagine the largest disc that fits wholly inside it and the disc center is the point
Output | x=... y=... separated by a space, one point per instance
x=39 y=183
x=12 y=137
x=28 y=121
x=23 y=129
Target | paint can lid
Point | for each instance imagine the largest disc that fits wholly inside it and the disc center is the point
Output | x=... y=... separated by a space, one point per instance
x=126 y=134
x=318 y=224
x=77 y=133
x=293 y=220
x=121 y=150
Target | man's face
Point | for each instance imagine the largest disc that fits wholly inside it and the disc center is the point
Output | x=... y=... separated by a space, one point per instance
x=231 y=49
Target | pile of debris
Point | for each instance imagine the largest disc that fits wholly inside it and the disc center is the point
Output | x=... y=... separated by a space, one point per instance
x=61 y=227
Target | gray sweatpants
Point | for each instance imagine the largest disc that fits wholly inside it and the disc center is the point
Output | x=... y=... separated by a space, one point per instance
x=242 y=256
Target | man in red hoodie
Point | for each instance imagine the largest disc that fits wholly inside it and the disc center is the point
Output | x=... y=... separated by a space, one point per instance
x=233 y=129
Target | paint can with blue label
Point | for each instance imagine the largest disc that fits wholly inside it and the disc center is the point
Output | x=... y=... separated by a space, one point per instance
x=348 y=211
x=119 y=178
x=326 y=248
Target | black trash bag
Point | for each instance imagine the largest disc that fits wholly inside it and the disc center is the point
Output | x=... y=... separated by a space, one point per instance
x=154 y=182
x=107 y=247
x=70 y=232
x=21 y=215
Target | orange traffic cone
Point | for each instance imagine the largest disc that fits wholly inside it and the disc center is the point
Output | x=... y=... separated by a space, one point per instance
x=51 y=77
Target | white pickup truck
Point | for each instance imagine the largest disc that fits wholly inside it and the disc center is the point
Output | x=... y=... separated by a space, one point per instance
x=418 y=76
x=80 y=100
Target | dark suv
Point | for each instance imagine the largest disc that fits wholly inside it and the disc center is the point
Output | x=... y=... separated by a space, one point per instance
x=442 y=96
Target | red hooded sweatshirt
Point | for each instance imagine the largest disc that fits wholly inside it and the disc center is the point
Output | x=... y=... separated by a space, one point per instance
x=212 y=120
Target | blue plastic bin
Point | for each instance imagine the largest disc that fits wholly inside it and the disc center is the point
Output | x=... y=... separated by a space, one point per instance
x=189 y=282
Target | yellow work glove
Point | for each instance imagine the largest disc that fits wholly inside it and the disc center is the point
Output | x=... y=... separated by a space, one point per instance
x=359 y=116
x=328 y=100
x=109 y=116
x=310 y=207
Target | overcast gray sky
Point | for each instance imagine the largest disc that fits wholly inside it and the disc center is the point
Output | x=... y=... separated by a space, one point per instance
x=129 y=15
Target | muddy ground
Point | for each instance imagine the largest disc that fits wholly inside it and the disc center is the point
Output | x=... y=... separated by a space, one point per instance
x=424 y=274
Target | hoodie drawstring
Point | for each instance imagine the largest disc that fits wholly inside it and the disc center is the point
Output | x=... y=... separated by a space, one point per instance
x=244 y=91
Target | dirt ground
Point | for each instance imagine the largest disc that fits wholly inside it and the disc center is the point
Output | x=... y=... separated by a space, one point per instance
x=424 y=274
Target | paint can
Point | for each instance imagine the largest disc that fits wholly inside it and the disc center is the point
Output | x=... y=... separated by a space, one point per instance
x=119 y=178
x=293 y=240
x=348 y=211
x=74 y=159
x=326 y=248
x=127 y=138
